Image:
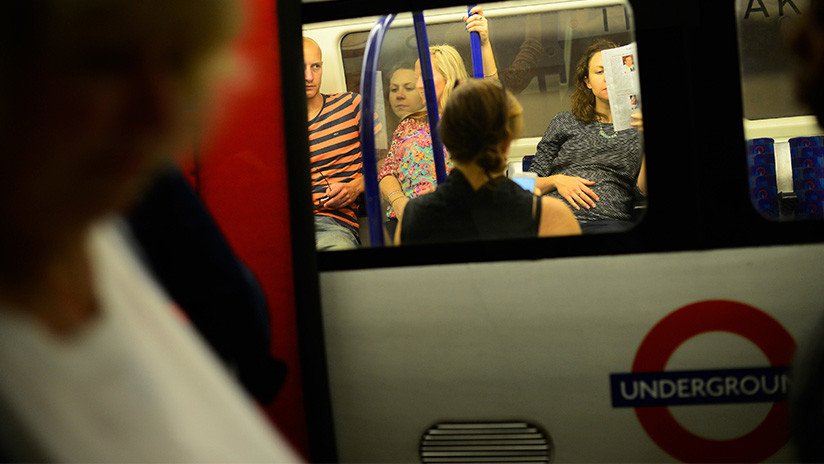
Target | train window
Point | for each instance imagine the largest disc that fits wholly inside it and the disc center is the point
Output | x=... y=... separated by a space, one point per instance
x=786 y=176
x=534 y=50
x=536 y=46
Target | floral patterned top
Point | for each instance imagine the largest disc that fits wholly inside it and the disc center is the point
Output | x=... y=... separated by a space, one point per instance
x=410 y=159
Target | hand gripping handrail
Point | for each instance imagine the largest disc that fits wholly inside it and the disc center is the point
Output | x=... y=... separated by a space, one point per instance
x=367 y=129
x=475 y=47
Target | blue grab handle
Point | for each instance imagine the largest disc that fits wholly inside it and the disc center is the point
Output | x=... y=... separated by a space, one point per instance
x=431 y=97
x=475 y=47
x=367 y=129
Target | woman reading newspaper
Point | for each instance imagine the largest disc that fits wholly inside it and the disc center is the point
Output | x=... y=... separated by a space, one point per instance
x=587 y=160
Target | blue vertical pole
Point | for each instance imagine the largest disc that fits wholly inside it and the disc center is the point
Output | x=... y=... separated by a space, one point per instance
x=475 y=46
x=367 y=129
x=431 y=97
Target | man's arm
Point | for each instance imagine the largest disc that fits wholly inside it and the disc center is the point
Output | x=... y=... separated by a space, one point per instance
x=344 y=193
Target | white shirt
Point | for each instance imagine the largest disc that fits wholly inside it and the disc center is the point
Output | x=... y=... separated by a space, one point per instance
x=136 y=385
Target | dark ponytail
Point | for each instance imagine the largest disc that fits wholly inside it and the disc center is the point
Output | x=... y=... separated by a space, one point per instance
x=479 y=117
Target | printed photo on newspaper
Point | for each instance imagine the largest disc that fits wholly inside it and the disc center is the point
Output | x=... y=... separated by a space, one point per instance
x=621 y=72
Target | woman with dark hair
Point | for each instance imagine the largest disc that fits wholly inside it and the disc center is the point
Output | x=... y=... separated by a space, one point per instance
x=583 y=160
x=477 y=202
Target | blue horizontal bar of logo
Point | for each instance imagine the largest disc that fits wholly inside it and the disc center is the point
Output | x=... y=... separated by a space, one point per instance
x=716 y=386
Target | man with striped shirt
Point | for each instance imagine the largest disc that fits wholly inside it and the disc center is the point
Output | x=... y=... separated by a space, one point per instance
x=335 y=156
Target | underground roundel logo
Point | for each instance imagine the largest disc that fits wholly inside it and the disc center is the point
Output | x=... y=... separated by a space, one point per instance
x=650 y=389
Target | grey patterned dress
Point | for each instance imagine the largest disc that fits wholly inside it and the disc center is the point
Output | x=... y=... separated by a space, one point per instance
x=595 y=152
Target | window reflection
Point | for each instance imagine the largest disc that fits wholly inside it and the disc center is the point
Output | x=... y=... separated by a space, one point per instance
x=536 y=48
x=786 y=176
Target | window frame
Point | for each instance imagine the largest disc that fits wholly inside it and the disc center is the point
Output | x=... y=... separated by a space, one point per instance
x=715 y=209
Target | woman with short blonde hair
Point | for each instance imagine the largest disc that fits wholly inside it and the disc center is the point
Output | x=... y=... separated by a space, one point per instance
x=447 y=62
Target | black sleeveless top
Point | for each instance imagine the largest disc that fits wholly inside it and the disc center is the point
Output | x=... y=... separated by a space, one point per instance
x=454 y=212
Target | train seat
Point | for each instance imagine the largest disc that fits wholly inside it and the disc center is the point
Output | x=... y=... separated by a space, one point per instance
x=807 y=158
x=526 y=162
x=514 y=166
x=763 y=186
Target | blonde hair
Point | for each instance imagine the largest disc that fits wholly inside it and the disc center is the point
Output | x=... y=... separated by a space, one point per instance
x=478 y=118
x=448 y=63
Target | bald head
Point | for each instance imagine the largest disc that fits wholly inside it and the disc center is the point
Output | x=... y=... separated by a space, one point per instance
x=312 y=68
x=311 y=44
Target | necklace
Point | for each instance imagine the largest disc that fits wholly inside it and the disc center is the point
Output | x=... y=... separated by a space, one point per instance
x=604 y=134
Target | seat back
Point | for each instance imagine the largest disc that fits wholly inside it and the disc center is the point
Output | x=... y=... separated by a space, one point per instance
x=807 y=157
x=763 y=187
x=526 y=162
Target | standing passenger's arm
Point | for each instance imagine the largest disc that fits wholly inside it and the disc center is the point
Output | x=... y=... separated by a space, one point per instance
x=477 y=22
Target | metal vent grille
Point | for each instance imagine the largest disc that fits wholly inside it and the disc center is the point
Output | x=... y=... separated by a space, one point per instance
x=485 y=442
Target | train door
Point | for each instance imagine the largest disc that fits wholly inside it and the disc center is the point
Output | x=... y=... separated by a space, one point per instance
x=241 y=173
x=668 y=341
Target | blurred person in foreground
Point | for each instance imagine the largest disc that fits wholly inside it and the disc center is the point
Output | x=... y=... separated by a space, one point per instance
x=97 y=365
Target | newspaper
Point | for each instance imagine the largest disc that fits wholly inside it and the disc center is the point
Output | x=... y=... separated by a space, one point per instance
x=621 y=72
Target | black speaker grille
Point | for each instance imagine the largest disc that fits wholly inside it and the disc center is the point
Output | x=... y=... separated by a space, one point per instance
x=485 y=442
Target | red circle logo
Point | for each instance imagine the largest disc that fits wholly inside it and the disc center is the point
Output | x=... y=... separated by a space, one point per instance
x=713 y=316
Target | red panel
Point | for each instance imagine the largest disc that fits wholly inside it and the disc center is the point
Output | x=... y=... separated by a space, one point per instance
x=243 y=183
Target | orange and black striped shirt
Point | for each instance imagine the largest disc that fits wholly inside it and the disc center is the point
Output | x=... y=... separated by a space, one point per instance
x=335 y=152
